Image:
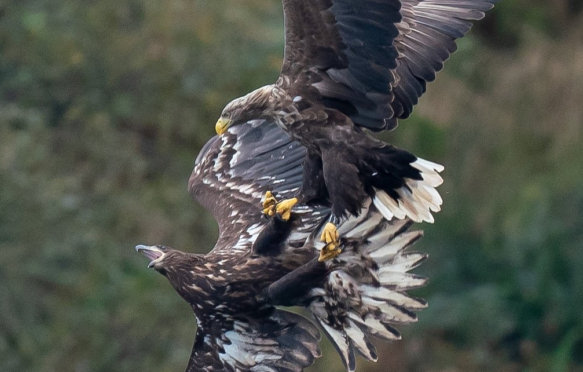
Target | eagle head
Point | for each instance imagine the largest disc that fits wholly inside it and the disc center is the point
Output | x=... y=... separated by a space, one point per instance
x=157 y=254
x=177 y=266
x=165 y=259
x=255 y=105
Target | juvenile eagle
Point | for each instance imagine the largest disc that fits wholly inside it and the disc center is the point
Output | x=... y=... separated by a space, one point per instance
x=259 y=263
x=351 y=66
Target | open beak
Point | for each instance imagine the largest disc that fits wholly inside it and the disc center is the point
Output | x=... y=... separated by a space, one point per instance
x=153 y=253
x=222 y=125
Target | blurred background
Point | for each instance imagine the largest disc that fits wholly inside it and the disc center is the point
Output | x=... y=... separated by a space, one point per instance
x=105 y=104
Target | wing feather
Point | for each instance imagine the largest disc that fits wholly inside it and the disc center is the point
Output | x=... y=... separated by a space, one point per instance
x=233 y=172
x=270 y=340
x=341 y=52
x=371 y=59
x=427 y=35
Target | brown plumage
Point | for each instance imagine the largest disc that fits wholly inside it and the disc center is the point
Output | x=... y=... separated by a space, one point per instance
x=350 y=66
x=259 y=263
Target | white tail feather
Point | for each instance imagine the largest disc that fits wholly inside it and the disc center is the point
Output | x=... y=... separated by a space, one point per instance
x=342 y=344
x=396 y=245
x=375 y=327
x=394 y=297
x=401 y=281
x=390 y=312
x=364 y=294
x=405 y=262
x=428 y=166
x=417 y=199
x=360 y=341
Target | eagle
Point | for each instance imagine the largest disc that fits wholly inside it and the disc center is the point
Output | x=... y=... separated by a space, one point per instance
x=261 y=264
x=351 y=67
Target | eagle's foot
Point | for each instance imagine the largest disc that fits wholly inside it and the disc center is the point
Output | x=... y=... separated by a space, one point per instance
x=330 y=234
x=329 y=252
x=331 y=238
x=283 y=208
x=269 y=204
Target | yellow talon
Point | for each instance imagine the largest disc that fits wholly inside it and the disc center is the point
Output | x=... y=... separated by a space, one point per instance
x=331 y=238
x=330 y=234
x=329 y=252
x=284 y=208
x=269 y=204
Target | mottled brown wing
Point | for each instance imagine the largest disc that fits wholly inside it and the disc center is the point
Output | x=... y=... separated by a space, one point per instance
x=371 y=59
x=233 y=172
x=427 y=35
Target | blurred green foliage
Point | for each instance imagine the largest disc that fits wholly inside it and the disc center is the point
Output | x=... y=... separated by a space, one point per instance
x=104 y=105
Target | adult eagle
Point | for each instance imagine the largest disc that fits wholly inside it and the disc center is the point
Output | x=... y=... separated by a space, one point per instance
x=351 y=66
x=259 y=263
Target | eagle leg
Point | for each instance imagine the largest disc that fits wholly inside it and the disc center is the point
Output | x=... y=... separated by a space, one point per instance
x=295 y=286
x=271 y=206
x=271 y=240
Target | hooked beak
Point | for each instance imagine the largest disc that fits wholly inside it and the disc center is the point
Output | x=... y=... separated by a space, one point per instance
x=153 y=253
x=222 y=125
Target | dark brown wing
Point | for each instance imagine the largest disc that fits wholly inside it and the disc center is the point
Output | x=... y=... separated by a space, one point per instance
x=426 y=39
x=344 y=50
x=371 y=59
x=233 y=172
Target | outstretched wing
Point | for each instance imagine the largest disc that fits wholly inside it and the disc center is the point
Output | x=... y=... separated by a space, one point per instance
x=233 y=172
x=269 y=341
x=371 y=59
x=427 y=35
x=342 y=52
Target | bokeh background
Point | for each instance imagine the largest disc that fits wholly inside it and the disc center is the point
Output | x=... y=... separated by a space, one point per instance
x=105 y=104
